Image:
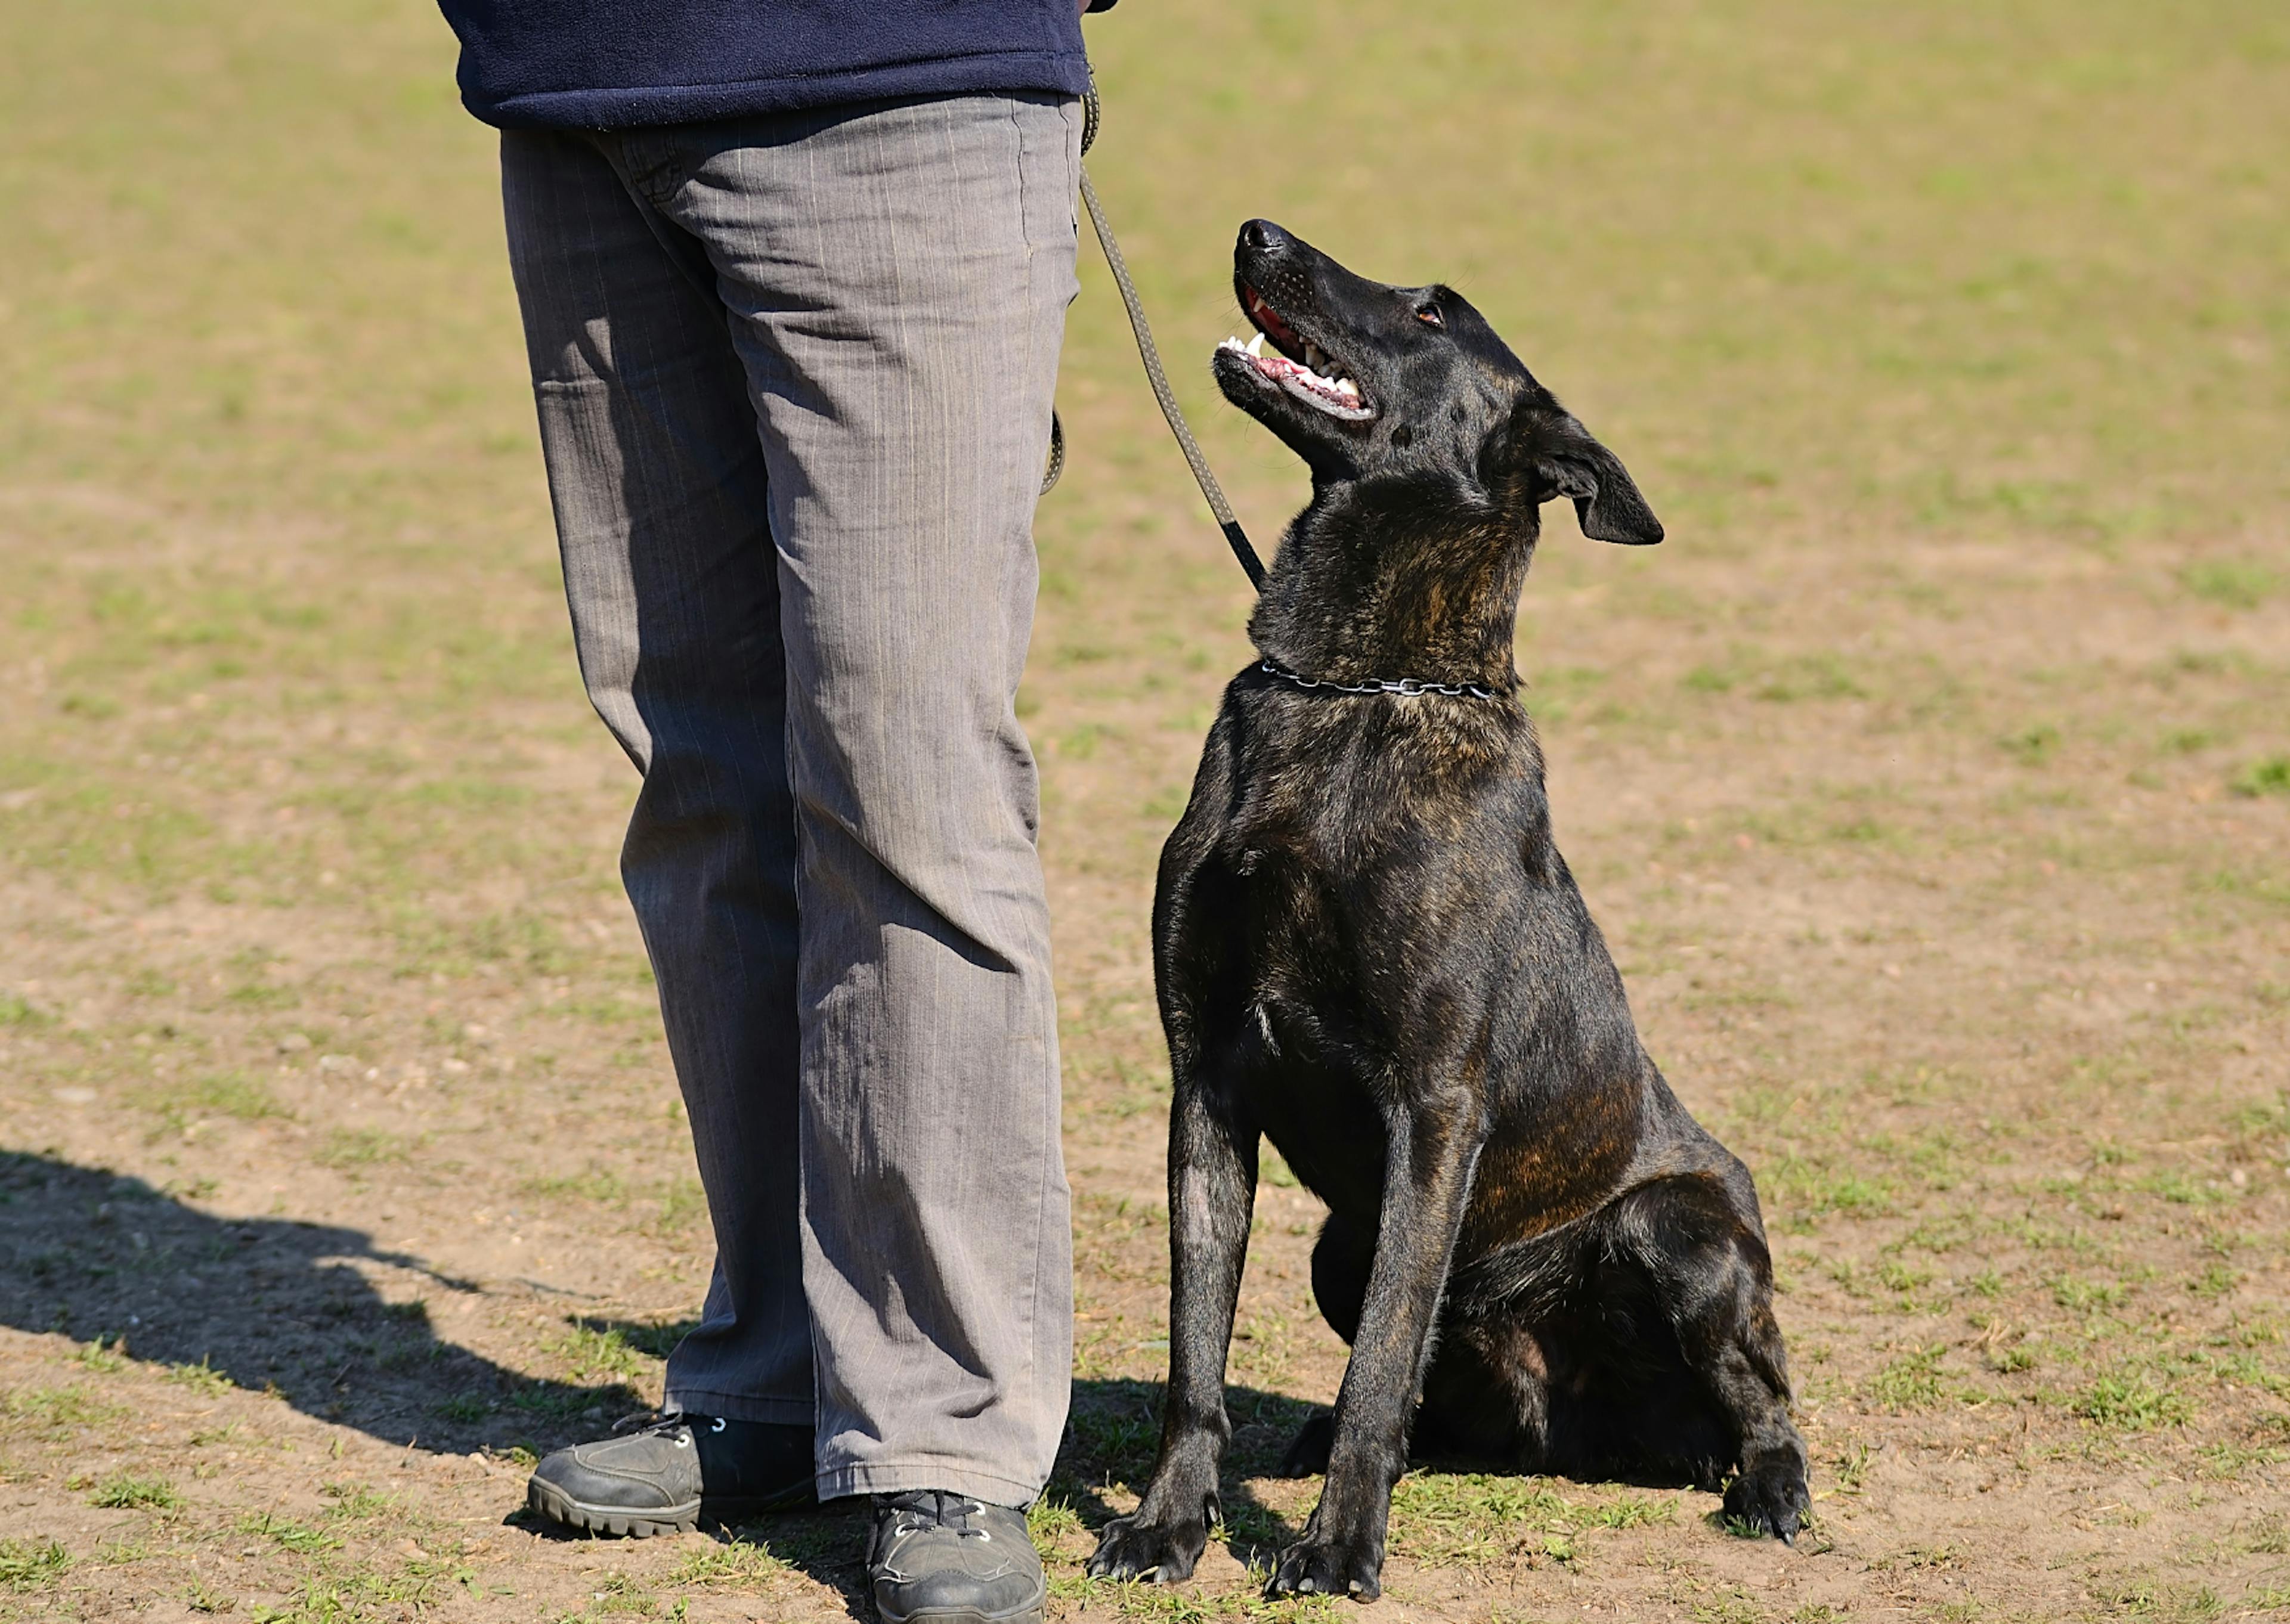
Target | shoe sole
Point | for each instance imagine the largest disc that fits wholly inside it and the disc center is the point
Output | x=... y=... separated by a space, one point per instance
x=547 y=1499
x=1030 y=1614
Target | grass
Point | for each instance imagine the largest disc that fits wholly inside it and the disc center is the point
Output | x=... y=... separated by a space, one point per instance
x=589 y=1352
x=738 y=1563
x=129 y=1492
x=226 y=1093
x=1951 y=718
x=1912 y=1380
x=61 y=1410
x=27 y=1564
x=2236 y=583
x=299 y=1538
x=2131 y=1402
x=351 y=1149
x=2270 y=776
x=202 y=1378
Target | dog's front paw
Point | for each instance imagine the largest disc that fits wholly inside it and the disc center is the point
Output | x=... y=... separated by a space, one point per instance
x=1163 y=1552
x=1770 y=1496
x=1318 y=1566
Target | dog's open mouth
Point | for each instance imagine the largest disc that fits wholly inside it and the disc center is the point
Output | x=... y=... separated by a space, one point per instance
x=1301 y=368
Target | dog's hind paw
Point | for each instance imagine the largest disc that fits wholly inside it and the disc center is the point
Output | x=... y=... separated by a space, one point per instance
x=1770 y=1497
x=1308 y=1456
x=1163 y=1553
x=1328 y=1567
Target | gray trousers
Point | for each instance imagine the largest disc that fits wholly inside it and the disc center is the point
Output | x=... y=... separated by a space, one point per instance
x=793 y=376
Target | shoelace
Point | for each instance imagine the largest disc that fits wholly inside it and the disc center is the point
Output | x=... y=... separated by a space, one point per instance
x=665 y=1421
x=950 y=1512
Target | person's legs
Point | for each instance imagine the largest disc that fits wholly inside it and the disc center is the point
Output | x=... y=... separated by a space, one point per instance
x=661 y=501
x=898 y=278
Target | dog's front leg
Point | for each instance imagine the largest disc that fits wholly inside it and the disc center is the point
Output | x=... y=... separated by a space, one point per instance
x=1427 y=1182
x=1212 y=1194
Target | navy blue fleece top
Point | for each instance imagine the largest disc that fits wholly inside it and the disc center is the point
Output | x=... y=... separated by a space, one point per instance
x=614 y=64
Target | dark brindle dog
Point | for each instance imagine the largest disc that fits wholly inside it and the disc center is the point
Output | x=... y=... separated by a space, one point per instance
x=1368 y=949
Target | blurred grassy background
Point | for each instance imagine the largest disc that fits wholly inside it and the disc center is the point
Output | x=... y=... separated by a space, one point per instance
x=1934 y=781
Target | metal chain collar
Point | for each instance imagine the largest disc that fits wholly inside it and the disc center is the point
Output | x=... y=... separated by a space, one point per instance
x=1407 y=686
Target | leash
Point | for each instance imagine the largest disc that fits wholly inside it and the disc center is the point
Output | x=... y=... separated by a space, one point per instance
x=1156 y=373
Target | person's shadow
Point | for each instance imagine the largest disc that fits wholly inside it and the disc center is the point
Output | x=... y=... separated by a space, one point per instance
x=279 y=1305
x=273 y=1305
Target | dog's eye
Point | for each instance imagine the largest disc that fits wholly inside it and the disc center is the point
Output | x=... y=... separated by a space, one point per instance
x=1429 y=315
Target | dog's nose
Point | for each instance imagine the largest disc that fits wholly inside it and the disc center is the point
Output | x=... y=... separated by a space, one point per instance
x=1262 y=236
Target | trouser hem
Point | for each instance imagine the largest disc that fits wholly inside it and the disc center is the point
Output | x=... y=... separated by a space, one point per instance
x=890 y=1477
x=741 y=1406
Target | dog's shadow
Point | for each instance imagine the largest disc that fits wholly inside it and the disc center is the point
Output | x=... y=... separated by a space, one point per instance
x=1111 y=1434
x=1115 y=1428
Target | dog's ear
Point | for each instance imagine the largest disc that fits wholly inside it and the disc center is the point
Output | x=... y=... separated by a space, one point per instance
x=1558 y=458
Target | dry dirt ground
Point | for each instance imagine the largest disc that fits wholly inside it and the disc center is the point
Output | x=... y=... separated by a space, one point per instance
x=1944 y=844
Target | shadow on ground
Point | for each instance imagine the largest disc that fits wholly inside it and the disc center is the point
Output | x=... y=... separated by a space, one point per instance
x=270 y=1304
x=1110 y=1439
x=277 y=1305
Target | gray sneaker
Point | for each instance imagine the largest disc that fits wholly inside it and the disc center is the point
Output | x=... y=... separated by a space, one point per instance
x=938 y=1558
x=663 y=1474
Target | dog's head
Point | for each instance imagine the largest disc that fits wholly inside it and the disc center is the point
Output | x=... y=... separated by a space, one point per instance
x=1368 y=380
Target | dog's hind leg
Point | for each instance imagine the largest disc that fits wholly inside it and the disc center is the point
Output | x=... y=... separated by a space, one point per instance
x=1699 y=1239
x=1487 y=1396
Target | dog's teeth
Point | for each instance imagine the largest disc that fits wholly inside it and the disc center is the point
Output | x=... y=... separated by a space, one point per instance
x=1313 y=358
x=1256 y=347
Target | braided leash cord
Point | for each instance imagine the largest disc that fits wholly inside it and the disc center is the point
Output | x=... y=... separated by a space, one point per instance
x=1156 y=373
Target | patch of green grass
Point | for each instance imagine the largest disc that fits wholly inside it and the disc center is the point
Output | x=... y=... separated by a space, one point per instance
x=1050 y=1519
x=2089 y=1296
x=1913 y=1380
x=1802 y=1188
x=202 y=1378
x=300 y=1538
x=28 y=1566
x=590 y=1352
x=1472 y=1519
x=61 y=1409
x=2237 y=583
x=2270 y=776
x=18 y=1010
x=2184 y=1189
x=2163 y=1604
x=221 y=1094
x=597 y=1184
x=1732 y=1607
x=735 y=1562
x=1634 y=1511
x=2216 y=1280
x=1141 y=1601
x=103 y=1354
x=682 y=1205
x=464 y=1407
x=346 y=1149
x=2130 y=1402
x=2034 y=744
x=344 y=1594
x=127 y=1492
